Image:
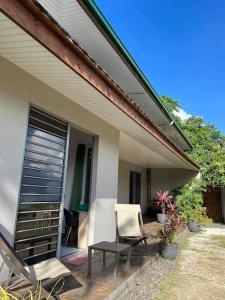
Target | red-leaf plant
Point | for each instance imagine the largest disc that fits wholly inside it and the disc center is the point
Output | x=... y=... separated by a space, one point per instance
x=167 y=233
x=163 y=200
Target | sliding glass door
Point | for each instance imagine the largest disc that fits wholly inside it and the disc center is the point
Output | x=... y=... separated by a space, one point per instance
x=41 y=187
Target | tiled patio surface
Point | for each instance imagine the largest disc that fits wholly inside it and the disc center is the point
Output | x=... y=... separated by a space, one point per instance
x=102 y=283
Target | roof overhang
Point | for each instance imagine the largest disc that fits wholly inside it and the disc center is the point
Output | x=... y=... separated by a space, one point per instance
x=69 y=59
x=145 y=95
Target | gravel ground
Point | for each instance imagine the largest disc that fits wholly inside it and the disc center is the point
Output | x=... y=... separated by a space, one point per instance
x=148 y=282
x=198 y=267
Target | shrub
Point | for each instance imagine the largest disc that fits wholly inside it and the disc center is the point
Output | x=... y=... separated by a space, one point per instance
x=190 y=203
x=190 y=196
x=197 y=215
x=167 y=234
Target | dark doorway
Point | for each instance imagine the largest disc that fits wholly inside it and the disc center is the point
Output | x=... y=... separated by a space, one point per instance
x=135 y=188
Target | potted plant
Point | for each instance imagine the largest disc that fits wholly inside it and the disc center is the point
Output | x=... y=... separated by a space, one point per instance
x=167 y=234
x=190 y=204
x=163 y=199
x=191 y=218
x=196 y=218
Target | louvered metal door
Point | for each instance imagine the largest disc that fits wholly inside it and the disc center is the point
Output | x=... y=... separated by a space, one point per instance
x=41 y=187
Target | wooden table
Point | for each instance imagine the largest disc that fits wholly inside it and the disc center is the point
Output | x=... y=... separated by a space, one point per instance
x=116 y=248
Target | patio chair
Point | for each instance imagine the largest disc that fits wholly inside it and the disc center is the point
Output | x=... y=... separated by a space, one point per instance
x=72 y=222
x=21 y=275
x=129 y=225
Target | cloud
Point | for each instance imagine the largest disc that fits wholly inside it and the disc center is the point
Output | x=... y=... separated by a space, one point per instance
x=182 y=114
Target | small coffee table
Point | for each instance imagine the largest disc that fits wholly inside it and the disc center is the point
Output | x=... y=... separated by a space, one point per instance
x=116 y=248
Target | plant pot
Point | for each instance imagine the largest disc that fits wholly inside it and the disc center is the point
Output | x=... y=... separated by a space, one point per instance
x=193 y=226
x=168 y=251
x=162 y=218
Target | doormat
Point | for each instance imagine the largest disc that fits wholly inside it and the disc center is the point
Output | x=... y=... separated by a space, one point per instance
x=66 y=251
x=76 y=260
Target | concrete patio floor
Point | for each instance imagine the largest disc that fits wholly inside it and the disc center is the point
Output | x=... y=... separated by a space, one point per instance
x=102 y=283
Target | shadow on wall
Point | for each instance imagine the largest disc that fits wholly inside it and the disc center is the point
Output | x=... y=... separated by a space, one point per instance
x=8 y=211
x=105 y=219
x=3 y=268
x=5 y=233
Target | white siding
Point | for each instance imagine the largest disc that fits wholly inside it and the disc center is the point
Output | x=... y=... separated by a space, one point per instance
x=53 y=7
x=28 y=54
x=80 y=27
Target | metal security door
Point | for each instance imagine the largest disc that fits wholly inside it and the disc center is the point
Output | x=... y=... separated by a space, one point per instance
x=41 y=191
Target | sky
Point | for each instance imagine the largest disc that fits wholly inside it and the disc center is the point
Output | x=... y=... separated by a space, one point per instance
x=180 y=47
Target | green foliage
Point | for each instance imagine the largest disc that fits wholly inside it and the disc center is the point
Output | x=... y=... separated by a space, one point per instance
x=5 y=295
x=172 y=106
x=167 y=234
x=189 y=202
x=197 y=215
x=208 y=145
x=34 y=294
x=190 y=196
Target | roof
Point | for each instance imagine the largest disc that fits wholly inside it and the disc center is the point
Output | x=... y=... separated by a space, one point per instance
x=95 y=13
x=35 y=20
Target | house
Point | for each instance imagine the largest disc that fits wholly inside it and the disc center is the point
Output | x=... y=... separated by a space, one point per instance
x=81 y=127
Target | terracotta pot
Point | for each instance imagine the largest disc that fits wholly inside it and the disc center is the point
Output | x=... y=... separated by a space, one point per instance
x=162 y=218
x=168 y=251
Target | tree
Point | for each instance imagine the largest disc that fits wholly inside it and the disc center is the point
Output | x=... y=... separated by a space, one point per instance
x=208 y=145
x=172 y=106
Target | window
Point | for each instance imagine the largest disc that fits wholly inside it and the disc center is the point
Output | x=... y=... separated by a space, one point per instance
x=135 y=188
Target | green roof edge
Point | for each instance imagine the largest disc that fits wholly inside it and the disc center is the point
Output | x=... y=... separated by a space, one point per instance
x=94 y=9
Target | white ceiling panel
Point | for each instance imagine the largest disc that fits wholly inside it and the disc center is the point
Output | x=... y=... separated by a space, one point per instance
x=32 y=57
x=82 y=29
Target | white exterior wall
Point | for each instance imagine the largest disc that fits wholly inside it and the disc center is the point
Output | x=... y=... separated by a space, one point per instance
x=161 y=179
x=124 y=182
x=13 y=123
x=169 y=179
x=17 y=90
x=104 y=189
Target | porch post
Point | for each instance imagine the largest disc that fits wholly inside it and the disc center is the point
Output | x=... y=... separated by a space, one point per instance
x=149 y=186
x=104 y=188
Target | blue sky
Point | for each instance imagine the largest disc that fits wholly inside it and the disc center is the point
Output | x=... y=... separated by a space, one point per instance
x=180 y=46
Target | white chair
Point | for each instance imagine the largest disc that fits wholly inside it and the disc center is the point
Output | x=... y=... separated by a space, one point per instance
x=129 y=225
x=21 y=275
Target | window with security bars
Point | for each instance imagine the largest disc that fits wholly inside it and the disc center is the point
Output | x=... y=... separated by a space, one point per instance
x=41 y=187
x=135 y=188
